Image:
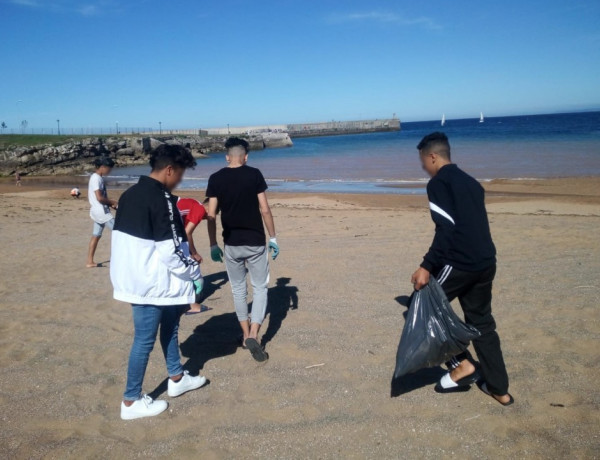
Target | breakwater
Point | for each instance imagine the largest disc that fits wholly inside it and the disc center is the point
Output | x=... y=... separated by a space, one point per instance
x=329 y=128
x=333 y=128
x=77 y=155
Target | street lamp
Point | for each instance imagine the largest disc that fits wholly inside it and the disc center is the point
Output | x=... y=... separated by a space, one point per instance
x=160 y=127
x=228 y=132
x=58 y=124
x=117 y=123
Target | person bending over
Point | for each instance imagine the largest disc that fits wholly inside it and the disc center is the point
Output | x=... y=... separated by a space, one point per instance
x=192 y=212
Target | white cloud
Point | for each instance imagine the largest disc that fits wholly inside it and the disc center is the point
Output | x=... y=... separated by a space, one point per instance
x=91 y=8
x=385 y=18
x=88 y=10
x=31 y=3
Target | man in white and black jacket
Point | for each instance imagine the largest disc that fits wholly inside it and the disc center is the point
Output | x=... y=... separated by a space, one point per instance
x=462 y=257
x=151 y=269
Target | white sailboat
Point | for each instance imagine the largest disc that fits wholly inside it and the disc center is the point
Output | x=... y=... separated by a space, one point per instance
x=443 y=119
x=481 y=117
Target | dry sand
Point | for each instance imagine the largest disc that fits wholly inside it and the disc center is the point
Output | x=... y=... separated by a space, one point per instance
x=64 y=341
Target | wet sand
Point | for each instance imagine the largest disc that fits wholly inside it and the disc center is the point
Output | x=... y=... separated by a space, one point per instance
x=345 y=259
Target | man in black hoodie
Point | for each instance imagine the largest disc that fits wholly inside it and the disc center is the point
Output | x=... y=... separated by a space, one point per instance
x=462 y=257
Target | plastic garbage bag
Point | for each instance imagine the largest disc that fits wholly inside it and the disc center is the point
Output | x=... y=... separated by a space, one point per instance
x=433 y=333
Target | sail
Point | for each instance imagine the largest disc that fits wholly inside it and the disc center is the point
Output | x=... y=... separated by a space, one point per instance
x=480 y=117
x=443 y=119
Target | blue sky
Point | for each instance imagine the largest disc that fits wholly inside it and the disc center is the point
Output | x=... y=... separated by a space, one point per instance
x=194 y=64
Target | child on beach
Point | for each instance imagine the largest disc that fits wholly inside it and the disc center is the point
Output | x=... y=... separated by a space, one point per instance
x=239 y=192
x=100 y=206
x=18 y=179
x=151 y=269
x=462 y=257
x=75 y=192
x=192 y=212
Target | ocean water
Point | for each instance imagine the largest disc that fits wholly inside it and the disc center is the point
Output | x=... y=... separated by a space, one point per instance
x=539 y=146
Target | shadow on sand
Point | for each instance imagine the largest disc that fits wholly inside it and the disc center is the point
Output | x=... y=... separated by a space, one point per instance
x=416 y=380
x=281 y=298
x=219 y=335
x=213 y=339
x=212 y=284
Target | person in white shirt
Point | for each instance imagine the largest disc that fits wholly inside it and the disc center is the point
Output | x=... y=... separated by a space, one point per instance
x=100 y=206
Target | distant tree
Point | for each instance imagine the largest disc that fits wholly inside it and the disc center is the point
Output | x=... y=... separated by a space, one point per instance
x=24 y=124
x=3 y=126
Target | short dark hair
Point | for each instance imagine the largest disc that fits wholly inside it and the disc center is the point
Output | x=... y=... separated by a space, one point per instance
x=237 y=142
x=176 y=156
x=104 y=161
x=435 y=141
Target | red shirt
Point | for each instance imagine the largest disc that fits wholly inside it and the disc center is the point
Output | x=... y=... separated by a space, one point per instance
x=191 y=211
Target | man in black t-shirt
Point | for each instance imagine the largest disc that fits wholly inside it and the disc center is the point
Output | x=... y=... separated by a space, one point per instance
x=238 y=191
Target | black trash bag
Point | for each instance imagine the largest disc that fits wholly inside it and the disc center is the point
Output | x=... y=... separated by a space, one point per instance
x=433 y=333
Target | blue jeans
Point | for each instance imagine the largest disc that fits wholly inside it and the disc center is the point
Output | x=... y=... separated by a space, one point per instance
x=146 y=320
x=98 y=228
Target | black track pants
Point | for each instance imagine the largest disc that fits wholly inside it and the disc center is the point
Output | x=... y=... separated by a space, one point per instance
x=474 y=292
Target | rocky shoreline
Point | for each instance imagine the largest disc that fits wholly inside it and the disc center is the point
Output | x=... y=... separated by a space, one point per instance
x=77 y=155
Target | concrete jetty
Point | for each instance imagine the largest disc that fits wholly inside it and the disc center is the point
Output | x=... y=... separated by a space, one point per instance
x=278 y=133
x=334 y=128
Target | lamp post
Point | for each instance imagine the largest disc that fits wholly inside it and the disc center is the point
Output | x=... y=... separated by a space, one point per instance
x=117 y=123
x=228 y=132
x=58 y=124
x=160 y=127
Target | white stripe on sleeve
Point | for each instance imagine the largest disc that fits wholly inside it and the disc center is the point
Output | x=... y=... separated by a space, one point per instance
x=435 y=208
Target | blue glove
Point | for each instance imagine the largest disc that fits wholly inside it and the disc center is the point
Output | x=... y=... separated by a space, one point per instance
x=216 y=254
x=199 y=285
x=273 y=247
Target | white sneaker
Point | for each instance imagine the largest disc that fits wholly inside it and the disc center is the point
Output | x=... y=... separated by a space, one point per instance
x=186 y=383
x=143 y=407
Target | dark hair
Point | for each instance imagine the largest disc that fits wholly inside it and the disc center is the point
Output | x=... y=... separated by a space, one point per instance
x=237 y=142
x=103 y=161
x=176 y=156
x=436 y=140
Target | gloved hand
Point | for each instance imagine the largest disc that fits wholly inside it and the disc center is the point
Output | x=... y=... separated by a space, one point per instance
x=273 y=247
x=199 y=285
x=216 y=254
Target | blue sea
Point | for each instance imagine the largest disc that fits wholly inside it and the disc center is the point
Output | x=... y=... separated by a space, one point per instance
x=526 y=147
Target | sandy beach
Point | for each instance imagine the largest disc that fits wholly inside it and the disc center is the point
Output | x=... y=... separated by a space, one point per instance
x=327 y=390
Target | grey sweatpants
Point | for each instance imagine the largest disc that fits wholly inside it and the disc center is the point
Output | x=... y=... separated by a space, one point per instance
x=237 y=258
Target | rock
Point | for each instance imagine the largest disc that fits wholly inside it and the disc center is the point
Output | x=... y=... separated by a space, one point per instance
x=173 y=142
x=277 y=140
x=77 y=156
x=154 y=143
x=137 y=145
x=198 y=154
x=128 y=151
